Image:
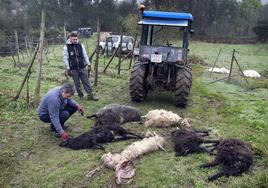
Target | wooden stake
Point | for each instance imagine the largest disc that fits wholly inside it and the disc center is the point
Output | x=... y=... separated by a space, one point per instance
x=14 y=60
x=110 y=60
x=26 y=46
x=64 y=32
x=215 y=62
x=241 y=70
x=92 y=55
x=27 y=72
x=97 y=47
x=40 y=57
x=17 y=45
x=231 y=68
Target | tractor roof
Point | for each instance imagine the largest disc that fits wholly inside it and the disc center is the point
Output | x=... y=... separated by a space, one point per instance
x=166 y=18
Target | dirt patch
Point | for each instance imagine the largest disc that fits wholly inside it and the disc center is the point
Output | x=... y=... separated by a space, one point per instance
x=213 y=103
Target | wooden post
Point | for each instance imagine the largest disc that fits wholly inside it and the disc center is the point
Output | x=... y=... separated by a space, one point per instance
x=120 y=52
x=27 y=72
x=27 y=91
x=17 y=45
x=97 y=47
x=40 y=57
x=231 y=67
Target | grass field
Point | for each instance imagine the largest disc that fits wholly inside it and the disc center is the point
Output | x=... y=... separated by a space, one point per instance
x=30 y=155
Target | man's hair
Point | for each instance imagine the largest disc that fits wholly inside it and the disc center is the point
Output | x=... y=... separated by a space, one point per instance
x=67 y=88
x=73 y=34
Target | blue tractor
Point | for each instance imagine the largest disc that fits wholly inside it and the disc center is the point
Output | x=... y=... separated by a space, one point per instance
x=158 y=63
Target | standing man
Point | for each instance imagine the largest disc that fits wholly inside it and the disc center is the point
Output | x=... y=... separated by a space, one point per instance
x=56 y=107
x=76 y=60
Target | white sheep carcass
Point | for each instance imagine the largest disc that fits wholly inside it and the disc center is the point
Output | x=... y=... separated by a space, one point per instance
x=222 y=70
x=163 y=118
x=122 y=162
x=251 y=74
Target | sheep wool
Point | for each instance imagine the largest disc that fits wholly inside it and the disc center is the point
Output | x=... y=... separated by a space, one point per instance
x=122 y=163
x=163 y=118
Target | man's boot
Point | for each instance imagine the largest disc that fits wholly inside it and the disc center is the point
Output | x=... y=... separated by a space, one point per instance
x=80 y=95
x=91 y=97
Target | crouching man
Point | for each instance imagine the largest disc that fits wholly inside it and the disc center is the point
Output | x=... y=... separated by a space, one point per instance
x=57 y=106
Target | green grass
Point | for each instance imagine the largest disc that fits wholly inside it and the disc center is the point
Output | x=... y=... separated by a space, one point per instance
x=30 y=155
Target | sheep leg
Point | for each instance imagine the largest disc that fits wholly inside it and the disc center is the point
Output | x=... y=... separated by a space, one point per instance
x=215 y=176
x=211 y=164
x=98 y=146
x=211 y=141
x=91 y=116
x=202 y=131
x=124 y=137
x=202 y=150
x=135 y=135
x=179 y=154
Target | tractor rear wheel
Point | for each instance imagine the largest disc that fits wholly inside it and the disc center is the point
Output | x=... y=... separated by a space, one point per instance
x=183 y=86
x=138 y=89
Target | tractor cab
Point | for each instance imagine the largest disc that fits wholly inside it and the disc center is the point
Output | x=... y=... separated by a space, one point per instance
x=165 y=36
x=161 y=60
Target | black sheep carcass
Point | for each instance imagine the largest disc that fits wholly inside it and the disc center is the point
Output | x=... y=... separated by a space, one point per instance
x=99 y=135
x=187 y=140
x=116 y=113
x=235 y=157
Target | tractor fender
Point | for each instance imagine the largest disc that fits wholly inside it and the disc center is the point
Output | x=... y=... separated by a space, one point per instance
x=180 y=66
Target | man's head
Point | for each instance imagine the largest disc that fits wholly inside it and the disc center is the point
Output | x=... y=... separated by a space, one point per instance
x=67 y=91
x=74 y=37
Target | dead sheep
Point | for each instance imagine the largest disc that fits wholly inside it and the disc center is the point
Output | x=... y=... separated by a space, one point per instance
x=162 y=118
x=116 y=113
x=235 y=157
x=99 y=135
x=152 y=143
x=122 y=162
x=187 y=140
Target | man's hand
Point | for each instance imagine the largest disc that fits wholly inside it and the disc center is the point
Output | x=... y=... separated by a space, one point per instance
x=69 y=72
x=80 y=110
x=64 y=136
